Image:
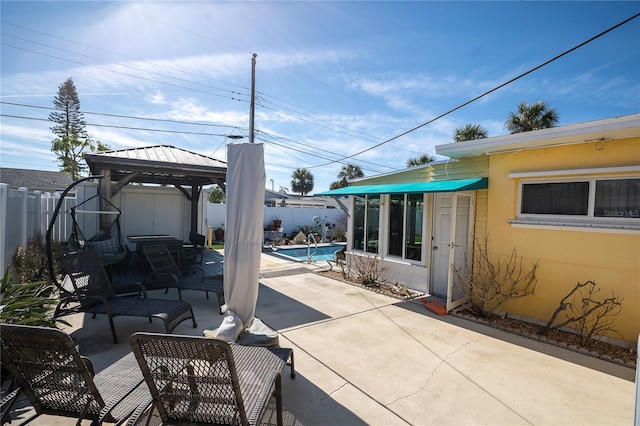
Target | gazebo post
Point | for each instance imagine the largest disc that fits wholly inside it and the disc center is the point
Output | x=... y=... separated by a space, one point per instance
x=195 y=196
x=105 y=191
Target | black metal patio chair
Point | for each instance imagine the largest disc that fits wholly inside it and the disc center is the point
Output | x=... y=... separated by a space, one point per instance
x=195 y=380
x=165 y=272
x=92 y=290
x=58 y=381
x=194 y=247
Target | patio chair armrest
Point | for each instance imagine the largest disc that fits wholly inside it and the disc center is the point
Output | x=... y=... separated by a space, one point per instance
x=141 y=288
x=106 y=410
x=125 y=287
x=100 y=299
x=140 y=412
x=275 y=385
x=6 y=404
x=88 y=364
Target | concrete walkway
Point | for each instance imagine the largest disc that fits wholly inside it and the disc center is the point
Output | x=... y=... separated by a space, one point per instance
x=365 y=358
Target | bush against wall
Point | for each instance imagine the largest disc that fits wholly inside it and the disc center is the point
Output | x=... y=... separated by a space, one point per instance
x=30 y=263
x=365 y=270
x=490 y=283
x=581 y=310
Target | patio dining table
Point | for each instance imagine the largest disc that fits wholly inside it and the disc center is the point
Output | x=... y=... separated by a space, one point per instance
x=174 y=245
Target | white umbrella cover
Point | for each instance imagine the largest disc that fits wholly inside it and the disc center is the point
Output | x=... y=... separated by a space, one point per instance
x=244 y=228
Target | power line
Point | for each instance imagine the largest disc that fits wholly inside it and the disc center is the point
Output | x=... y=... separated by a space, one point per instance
x=123 y=73
x=318 y=149
x=566 y=52
x=313 y=120
x=162 y=120
x=306 y=152
x=305 y=149
x=119 y=54
x=122 y=127
x=123 y=65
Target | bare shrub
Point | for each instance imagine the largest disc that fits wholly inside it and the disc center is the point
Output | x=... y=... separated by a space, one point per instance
x=583 y=312
x=365 y=270
x=30 y=263
x=339 y=232
x=489 y=284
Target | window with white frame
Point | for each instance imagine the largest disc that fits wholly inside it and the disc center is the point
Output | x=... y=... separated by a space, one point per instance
x=612 y=200
x=406 y=214
x=366 y=223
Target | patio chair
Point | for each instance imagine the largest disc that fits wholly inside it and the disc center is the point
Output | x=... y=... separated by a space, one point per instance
x=166 y=273
x=94 y=294
x=194 y=247
x=58 y=381
x=197 y=379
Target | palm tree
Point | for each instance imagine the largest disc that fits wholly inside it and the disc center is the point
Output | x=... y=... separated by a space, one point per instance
x=342 y=183
x=469 y=132
x=423 y=159
x=302 y=181
x=347 y=173
x=531 y=117
x=350 y=171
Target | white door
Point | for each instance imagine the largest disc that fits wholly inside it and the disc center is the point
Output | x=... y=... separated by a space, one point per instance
x=459 y=249
x=450 y=244
x=138 y=214
x=148 y=213
x=168 y=217
x=441 y=243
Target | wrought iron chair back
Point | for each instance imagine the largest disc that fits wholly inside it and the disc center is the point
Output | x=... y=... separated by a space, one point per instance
x=198 y=379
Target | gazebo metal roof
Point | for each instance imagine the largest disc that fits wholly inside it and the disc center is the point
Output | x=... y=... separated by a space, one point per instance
x=159 y=164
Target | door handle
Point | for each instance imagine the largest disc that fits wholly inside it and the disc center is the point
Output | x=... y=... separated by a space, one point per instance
x=435 y=247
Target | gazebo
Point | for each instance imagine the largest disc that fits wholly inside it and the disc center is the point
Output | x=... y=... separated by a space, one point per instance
x=160 y=164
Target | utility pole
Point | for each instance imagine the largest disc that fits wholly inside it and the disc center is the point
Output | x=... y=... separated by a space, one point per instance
x=253 y=97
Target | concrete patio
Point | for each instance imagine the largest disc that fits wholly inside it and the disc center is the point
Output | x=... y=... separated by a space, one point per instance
x=365 y=358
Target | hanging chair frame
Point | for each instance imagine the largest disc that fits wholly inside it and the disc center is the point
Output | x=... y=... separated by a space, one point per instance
x=56 y=212
x=79 y=241
x=80 y=237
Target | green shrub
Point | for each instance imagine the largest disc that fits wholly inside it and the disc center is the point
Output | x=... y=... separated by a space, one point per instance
x=306 y=230
x=339 y=233
x=26 y=303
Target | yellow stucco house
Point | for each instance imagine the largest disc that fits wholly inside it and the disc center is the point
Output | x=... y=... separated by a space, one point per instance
x=567 y=197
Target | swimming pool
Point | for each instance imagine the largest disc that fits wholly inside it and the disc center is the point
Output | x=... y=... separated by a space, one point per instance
x=321 y=252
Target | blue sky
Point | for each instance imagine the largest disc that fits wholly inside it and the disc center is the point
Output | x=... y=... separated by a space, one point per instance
x=333 y=79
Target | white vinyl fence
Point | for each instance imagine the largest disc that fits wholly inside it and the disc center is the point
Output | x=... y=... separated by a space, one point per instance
x=145 y=210
x=291 y=217
x=25 y=214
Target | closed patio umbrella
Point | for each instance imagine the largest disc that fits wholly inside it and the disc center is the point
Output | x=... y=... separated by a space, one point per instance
x=244 y=228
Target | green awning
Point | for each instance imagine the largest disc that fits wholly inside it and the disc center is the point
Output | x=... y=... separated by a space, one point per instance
x=411 y=187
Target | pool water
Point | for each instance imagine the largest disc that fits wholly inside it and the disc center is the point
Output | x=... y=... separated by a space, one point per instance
x=325 y=252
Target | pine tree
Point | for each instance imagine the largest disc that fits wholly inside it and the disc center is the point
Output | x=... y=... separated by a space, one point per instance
x=71 y=137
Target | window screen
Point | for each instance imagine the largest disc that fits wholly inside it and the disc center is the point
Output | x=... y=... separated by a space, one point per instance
x=619 y=198
x=562 y=198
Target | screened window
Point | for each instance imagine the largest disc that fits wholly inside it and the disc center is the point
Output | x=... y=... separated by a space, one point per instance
x=366 y=223
x=565 y=198
x=595 y=198
x=405 y=225
x=617 y=198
